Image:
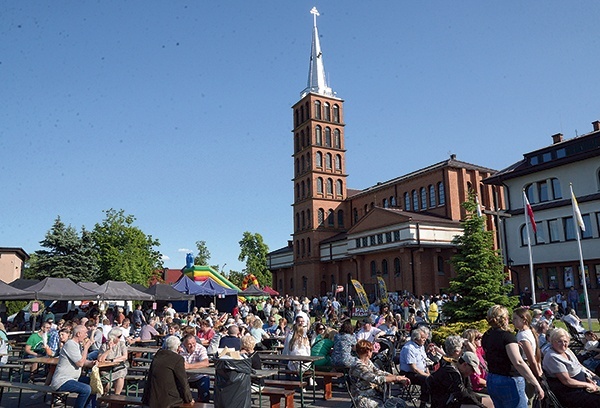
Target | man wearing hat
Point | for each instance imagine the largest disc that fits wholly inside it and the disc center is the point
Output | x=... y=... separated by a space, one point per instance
x=450 y=385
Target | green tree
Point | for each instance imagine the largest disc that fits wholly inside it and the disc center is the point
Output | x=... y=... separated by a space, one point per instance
x=67 y=255
x=125 y=253
x=236 y=278
x=480 y=278
x=254 y=252
x=203 y=255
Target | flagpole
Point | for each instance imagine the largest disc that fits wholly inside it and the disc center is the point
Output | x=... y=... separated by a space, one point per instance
x=531 y=278
x=576 y=225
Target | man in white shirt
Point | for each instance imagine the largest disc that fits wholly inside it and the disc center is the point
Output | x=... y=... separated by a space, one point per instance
x=368 y=332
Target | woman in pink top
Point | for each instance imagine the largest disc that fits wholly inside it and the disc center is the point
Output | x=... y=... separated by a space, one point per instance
x=473 y=343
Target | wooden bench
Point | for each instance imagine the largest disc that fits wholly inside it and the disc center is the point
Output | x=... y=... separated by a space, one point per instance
x=327 y=376
x=195 y=405
x=56 y=395
x=285 y=384
x=276 y=394
x=120 y=401
x=132 y=382
x=11 y=367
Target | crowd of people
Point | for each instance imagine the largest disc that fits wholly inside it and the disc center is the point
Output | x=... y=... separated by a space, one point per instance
x=496 y=368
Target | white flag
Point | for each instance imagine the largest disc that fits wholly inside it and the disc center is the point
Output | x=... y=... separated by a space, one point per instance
x=576 y=212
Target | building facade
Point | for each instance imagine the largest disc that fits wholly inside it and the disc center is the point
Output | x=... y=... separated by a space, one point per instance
x=401 y=229
x=545 y=175
x=12 y=261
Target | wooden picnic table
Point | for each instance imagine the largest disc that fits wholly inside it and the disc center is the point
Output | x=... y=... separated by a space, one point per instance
x=301 y=359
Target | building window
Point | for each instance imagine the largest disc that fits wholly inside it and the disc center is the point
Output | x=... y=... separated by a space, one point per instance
x=308 y=219
x=303 y=245
x=385 y=203
x=543 y=191
x=318 y=109
x=373 y=240
x=365 y=241
x=397 y=235
x=291 y=283
x=328 y=161
x=415 y=199
x=355 y=211
x=340 y=218
x=298 y=248
x=373 y=268
x=396 y=267
x=318 y=136
x=388 y=237
x=379 y=239
x=339 y=188
x=327 y=137
x=329 y=186
x=357 y=242
x=423 y=198
x=330 y=218
x=319 y=185
x=432 y=196
x=569 y=228
x=556 y=191
x=304 y=283
x=441 y=194
x=406 y=202
x=297 y=221
x=303 y=220
x=523 y=235
x=587 y=221
x=319 y=160
x=336 y=113
x=321 y=216
x=338 y=162
x=440 y=265
x=337 y=139
x=303 y=190
x=327 y=111
x=308 y=187
x=392 y=201
x=384 y=267
x=552 y=278
x=540 y=234
x=297 y=191
x=553 y=231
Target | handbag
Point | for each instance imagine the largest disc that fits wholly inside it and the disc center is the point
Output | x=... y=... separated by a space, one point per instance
x=95 y=381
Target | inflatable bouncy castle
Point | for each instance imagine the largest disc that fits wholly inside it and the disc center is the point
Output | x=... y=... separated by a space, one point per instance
x=199 y=273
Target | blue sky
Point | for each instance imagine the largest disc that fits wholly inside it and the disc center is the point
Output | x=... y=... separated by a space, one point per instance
x=179 y=112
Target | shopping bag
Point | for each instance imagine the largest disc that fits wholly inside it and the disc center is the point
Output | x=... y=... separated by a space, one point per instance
x=95 y=381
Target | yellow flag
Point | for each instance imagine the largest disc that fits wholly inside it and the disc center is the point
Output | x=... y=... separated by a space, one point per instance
x=576 y=212
x=383 y=294
x=362 y=295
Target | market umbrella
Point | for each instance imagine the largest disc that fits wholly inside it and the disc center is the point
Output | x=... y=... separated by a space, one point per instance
x=214 y=289
x=114 y=290
x=253 y=290
x=60 y=289
x=270 y=291
x=7 y=292
x=23 y=283
x=188 y=286
x=162 y=291
x=138 y=286
x=88 y=285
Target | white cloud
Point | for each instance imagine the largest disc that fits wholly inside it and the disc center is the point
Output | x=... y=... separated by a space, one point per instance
x=184 y=250
x=166 y=258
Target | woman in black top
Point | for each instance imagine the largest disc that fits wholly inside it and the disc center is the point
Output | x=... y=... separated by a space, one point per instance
x=507 y=368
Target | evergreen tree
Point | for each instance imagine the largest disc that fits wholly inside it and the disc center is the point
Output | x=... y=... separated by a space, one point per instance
x=480 y=277
x=254 y=251
x=68 y=255
x=125 y=253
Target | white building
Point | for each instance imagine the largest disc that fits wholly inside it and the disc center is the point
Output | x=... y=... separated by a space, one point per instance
x=545 y=175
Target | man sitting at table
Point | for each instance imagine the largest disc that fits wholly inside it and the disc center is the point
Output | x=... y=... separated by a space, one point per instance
x=148 y=330
x=36 y=345
x=232 y=340
x=68 y=371
x=195 y=356
x=270 y=326
x=167 y=382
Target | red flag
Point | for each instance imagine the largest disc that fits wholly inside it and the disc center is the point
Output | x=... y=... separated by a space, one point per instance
x=529 y=211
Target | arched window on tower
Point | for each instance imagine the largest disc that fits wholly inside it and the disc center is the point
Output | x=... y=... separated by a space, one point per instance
x=440 y=265
x=318 y=136
x=355 y=215
x=329 y=186
x=406 y=202
x=328 y=161
x=373 y=268
x=392 y=201
x=397 y=267
x=303 y=164
x=327 y=111
x=384 y=267
x=330 y=218
x=303 y=220
x=337 y=139
x=303 y=246
x=297 y=222
x=336 y=113
x=328 y=137
x=308 y=246
x=301 y=113
x=385 y=203
x=303 y=188
x=319 y=185
x=308 y=219
x=308 y=193
x=297 y=142
x=318 y=109
x=307 y=161
x=297 y=191
x=297 y=166
x=432 y=201
x=338 y=162
x=321 y=216
x=319 y=160
x=415 y=197
x=340 y=218
x=423 y=198
x=339 y=188
x=302 y=139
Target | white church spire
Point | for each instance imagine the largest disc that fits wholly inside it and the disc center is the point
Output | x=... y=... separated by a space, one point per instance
x=316 y=70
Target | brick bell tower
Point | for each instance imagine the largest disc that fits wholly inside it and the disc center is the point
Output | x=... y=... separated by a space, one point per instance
x=319 y=174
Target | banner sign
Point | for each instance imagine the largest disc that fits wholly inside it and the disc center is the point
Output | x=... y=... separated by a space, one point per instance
x=362 y=295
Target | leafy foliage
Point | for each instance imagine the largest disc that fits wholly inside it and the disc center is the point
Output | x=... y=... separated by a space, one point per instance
x=203 y=255
x=125 y=253
x=236 y=278
x=254 y=252
x=68 y=255
x=479 y=271
x=440 y=334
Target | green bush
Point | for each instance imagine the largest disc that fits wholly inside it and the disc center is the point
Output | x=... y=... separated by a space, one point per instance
x=440 y=334
x=13 y=306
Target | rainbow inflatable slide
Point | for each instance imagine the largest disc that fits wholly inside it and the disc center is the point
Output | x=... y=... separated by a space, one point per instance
x=199 y=273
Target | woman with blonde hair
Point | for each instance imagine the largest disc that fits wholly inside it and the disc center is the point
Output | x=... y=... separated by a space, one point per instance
x=299 y=345
x=473 y=344
x=114 y=350
x=507 y=369
x=528 y=340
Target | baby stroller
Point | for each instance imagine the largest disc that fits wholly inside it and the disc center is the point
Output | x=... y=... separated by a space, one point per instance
x=384 y=359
